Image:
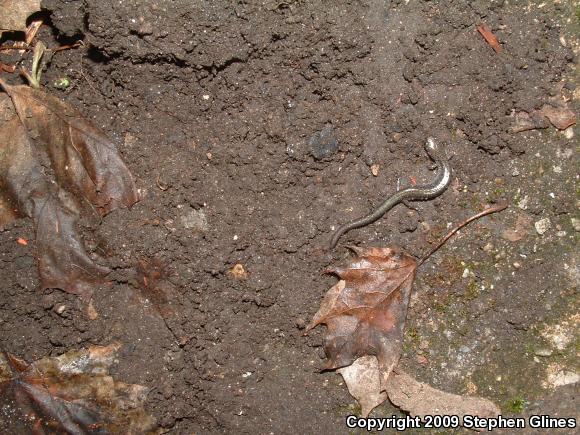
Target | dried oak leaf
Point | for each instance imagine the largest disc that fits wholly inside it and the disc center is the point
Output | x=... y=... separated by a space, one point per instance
x=53 y=164
x=72 y=394
x=365 y=311
x=15 y=12
x=365 y=315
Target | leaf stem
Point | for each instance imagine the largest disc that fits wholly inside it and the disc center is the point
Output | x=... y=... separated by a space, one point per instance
x=485 y=212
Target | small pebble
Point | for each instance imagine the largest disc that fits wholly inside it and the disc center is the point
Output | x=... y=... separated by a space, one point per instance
x=323 y=143
x=569 y=133
x=542 y=225
x=516 y=265
x=192 y=219
x=375 y=170
x=300 y=323
x=488 y=248
x=59 y=309
x=543 y=352
x=238 y=271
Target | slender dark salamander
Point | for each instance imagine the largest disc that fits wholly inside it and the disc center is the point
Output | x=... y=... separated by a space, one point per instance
x=416 y=193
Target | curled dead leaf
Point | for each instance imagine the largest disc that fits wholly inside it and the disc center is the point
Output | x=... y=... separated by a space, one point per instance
x=525 y=121
x=86 y=175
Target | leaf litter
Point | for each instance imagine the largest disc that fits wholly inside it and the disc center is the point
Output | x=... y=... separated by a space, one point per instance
x=365 y=315
x=72 y=393
x=56 y=166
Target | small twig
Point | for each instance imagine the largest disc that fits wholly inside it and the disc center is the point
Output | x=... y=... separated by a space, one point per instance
x=67 y=47
x=15 y=47
x=458 y=227
x=50 y=50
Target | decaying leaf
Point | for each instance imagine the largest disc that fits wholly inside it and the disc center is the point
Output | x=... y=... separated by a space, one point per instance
x=72 y=394
x=523 y=121
x=365 y=311
x=365 y=315
x=489 y=37
x=420 y=399
x=161 y=298
x=54 y=164
x=560 y=117
x=15 y=12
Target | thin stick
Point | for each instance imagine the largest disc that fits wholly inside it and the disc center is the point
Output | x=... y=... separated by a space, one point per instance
x=458 y=227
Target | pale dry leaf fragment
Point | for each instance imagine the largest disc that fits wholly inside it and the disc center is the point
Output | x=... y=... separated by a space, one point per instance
x=560 y=117
x=15 y=12
x=363 y=381
x=420 y=399
x=524 y=121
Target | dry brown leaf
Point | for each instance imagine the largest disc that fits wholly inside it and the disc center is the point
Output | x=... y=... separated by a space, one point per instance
x=420 y=399
x=15 y=12
x=83 y=158
x=489 y=37
x=365 y=315
x=54 y=163
x=365 y=311
x=72 y=394
x=560 y=117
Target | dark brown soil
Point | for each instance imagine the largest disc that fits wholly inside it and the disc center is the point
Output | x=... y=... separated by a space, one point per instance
x=251 y=129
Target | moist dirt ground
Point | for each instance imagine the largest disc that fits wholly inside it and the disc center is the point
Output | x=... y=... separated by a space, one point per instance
x=253 y=129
